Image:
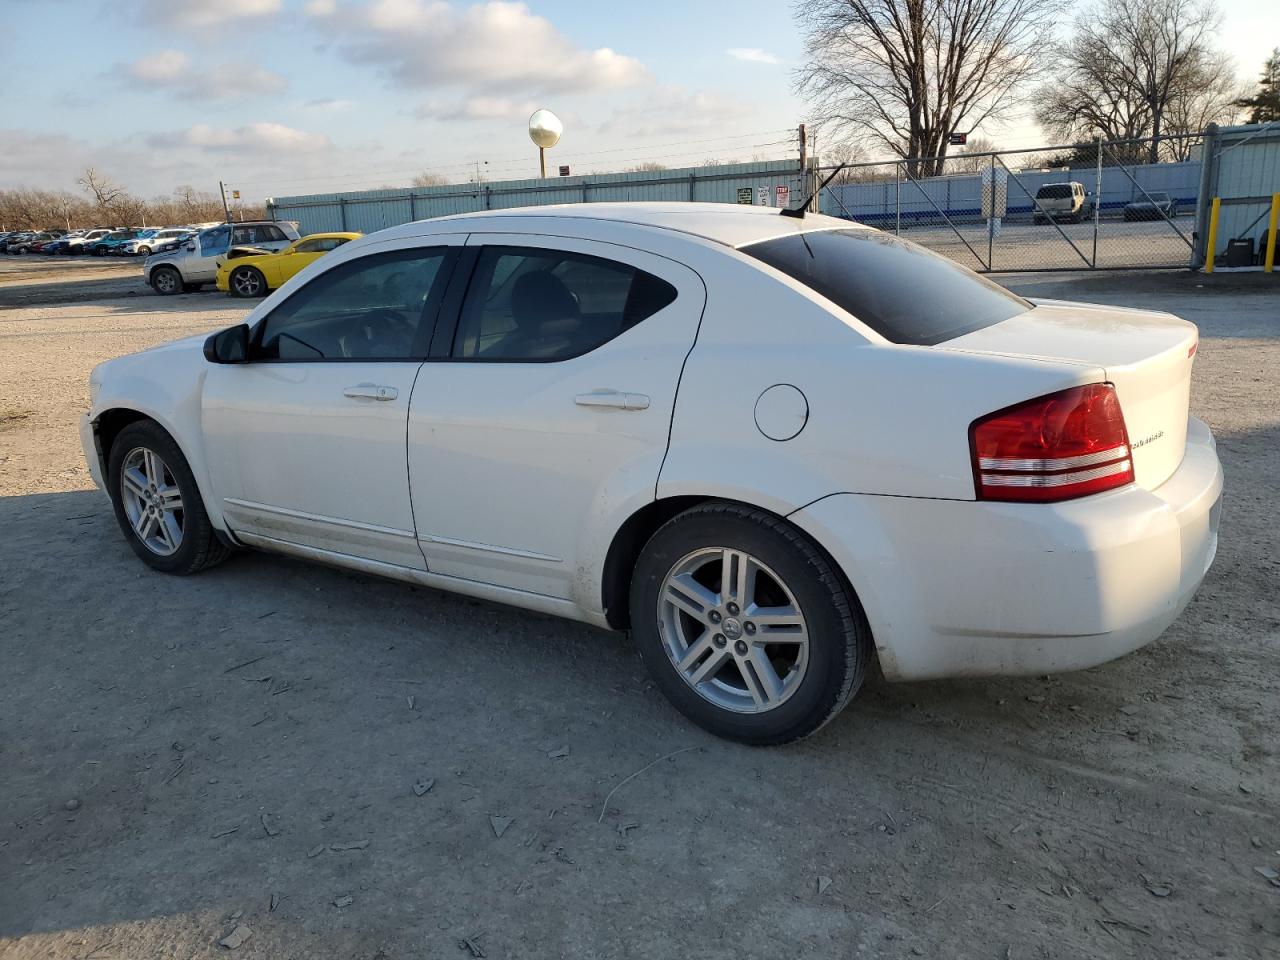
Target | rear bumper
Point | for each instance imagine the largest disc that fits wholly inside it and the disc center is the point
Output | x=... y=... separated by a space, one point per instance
x=967 y=588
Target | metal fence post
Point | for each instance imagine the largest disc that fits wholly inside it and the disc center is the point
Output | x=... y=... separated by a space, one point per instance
x=991 y=219
x=342 y=213
x=693 y=180
x=413 y=207
x=897 y=200
x=1208 y=161
x=1097 y=203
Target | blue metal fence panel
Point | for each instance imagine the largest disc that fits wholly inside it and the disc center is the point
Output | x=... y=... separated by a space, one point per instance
x=1248 y=173
x=370 y=210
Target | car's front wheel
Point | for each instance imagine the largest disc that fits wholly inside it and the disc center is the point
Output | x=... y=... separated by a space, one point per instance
x=143 y=251
x=247 y=282
x=746 y=625
x=157 y=503
x=166 y=281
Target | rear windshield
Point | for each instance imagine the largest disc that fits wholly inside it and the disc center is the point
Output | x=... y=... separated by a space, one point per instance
x=1158 y=197
x=902 y=291
x=1054 y=191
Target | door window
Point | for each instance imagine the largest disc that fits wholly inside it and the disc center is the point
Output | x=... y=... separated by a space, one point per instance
x=320 y=245
x=545 y=305
x=380 y=307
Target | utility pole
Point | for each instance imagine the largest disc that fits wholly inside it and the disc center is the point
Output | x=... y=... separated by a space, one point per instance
x=804 y=147
x=226 y=213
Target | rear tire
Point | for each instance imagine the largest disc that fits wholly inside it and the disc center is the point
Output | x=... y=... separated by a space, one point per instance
x=179 y=539
x=760 y=683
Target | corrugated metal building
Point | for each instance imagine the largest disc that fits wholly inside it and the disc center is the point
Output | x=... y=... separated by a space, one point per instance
x=1242 y=167
x=370 y=210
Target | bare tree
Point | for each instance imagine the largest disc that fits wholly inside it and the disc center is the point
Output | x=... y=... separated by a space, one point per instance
x=106 y=193
x=1138 y=68
x=649 y=166
x=906 y=74
x=428 y=179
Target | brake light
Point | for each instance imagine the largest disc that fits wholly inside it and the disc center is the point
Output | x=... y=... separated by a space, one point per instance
x=1066 y=445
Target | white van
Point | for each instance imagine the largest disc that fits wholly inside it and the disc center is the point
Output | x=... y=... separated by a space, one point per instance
x=196 y=263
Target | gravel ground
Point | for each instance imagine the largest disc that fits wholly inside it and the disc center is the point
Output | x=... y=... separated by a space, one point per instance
x=347 y=767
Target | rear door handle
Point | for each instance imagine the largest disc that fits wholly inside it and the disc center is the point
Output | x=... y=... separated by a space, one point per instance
x=371 y=391
x=613 y=398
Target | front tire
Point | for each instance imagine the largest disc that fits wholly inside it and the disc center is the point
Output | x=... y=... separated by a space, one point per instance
x=166 y=281
x=157 y=503
x=746 y=626
x=247 y=283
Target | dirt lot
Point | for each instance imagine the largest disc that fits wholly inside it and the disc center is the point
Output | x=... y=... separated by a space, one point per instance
x=355 y=768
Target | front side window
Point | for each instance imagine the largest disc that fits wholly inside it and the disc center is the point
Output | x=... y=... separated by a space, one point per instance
x=902 y=291
x=546 y=305
x=379 y=307
x=320 y=245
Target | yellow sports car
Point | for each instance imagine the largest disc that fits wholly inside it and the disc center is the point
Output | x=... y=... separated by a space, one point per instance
x=257 y=275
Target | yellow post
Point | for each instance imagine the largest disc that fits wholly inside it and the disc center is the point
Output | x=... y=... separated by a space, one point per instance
x=1270 y=259
x=1213 y=234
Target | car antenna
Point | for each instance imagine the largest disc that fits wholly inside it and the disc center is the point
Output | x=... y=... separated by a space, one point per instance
x=798 y=212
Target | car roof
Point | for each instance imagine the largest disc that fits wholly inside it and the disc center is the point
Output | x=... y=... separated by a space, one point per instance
x=732 y=224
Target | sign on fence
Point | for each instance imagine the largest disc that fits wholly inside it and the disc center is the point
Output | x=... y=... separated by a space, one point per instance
x=995 y=192
x=783 y=194
x=745 y=194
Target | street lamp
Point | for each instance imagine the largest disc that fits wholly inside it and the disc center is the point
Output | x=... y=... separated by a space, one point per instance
x=544 y=130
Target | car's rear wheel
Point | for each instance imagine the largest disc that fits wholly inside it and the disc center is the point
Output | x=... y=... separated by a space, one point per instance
x=166 y=281
x=247 y=282
x=157 y=503
x=143 y=251
x=746 y=625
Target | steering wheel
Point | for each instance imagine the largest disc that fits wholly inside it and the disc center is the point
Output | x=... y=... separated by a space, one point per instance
x=381 y=332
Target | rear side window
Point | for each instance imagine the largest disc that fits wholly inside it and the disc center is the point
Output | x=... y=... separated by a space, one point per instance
x=269 y=234
x=546 y=305
x=902 y=291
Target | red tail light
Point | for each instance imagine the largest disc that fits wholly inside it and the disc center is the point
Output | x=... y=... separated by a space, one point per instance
x=1066 y=445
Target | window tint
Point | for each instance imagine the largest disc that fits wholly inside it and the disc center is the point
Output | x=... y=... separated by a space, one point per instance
x=321 y=245
x=1054 y=191
x=269 y=234
x=529 y=304
x=374 y=308
x=902 y=291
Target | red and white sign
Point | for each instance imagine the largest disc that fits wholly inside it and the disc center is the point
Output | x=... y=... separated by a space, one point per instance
x=781 y=195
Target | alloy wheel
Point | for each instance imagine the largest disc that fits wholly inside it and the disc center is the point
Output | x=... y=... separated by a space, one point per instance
x=152 y=501
x=247 y=283
x=733 y=629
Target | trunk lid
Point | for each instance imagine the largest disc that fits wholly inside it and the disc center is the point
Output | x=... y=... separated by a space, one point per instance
x=1147 y=355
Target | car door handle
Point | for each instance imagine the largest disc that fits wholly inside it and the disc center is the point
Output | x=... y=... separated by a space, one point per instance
x=371 y=391
x=615 y=399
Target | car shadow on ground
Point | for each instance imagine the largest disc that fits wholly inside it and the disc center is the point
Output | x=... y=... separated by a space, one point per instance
x=272 y=737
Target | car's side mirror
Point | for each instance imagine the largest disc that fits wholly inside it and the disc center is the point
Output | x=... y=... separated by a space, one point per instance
x=228 y=346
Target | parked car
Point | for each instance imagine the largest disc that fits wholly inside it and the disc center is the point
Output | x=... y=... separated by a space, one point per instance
x=1063 y=203
x=111 y=243
x=77 y=245
x=1152 y=206
x=256 y=276
x=151 y=240
x=196 y=262
x=173 y=243
x=31 y=242
x=15 y=238
x=773 y=447
x=61 y=244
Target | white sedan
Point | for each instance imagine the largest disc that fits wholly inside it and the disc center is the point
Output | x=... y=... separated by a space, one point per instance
x=772 y=447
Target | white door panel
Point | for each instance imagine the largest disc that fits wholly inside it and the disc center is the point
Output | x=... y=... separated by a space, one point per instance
x=297 y=459
x=515 y=466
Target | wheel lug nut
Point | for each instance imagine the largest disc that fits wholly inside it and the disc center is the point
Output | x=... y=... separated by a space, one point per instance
x=740 y=648
x=718 y=639
x=749 y=627
x=732 y=608
x=715 y=616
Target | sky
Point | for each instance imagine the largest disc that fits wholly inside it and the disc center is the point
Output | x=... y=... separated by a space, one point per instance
x=284 y=97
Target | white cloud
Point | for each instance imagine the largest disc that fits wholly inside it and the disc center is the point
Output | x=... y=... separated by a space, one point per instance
x=203 y=14
x=496 y=47
x=333 y=104
x=321 y=8
x=753 y=55
x=477 y=108
x=672 y=110
x=259 y=137
x=173 y=70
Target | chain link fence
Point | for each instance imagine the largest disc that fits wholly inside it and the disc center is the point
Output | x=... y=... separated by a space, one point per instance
x=1104 y=205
